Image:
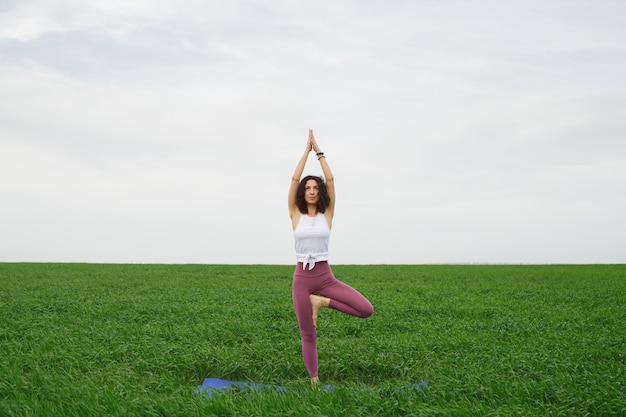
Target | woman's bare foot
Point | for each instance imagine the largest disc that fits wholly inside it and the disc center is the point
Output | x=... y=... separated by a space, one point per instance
x=317 y=303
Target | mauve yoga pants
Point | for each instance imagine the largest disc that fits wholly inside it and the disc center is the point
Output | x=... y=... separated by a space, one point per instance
x=321 y=281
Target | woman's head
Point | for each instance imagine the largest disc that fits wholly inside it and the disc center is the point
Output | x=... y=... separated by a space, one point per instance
x=312 y=190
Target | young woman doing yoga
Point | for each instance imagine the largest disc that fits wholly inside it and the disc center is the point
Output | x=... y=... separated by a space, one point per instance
x=311 y=208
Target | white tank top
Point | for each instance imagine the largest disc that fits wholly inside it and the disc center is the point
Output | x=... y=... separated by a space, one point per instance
x=311 y=239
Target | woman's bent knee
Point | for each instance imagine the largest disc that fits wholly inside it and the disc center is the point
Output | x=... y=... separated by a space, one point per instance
x=367 y=311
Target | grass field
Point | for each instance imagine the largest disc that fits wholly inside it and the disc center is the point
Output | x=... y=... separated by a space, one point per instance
x=137 y=340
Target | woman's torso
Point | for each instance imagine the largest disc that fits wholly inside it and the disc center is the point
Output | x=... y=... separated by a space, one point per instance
x=311 y=237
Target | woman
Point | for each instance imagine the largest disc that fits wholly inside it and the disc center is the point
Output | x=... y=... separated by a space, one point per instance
x=311 y=208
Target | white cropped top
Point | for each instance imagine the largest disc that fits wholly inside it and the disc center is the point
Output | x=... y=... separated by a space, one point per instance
x=311 y=239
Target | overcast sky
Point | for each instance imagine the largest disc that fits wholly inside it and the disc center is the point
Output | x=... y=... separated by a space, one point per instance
x=458 y=131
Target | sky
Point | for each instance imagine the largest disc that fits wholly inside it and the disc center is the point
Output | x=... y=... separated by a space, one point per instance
x=457 y=131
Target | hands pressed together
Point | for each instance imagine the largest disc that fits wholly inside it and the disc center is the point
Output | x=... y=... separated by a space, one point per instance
x=311 y=143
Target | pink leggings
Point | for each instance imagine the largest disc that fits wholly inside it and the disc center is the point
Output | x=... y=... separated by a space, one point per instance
x=321 y=281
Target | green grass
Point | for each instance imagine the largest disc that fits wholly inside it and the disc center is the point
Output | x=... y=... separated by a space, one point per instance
x=137 y=340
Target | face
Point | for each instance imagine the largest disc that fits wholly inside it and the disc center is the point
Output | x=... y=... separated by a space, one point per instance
x=311 y=192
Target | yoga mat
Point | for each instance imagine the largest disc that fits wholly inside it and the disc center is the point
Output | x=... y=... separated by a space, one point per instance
x=211 y=385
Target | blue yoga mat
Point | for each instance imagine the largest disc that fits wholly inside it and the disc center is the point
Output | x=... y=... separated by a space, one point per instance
x=212 y=385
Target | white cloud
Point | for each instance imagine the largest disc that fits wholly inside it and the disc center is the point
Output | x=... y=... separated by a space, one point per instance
x=166 y=131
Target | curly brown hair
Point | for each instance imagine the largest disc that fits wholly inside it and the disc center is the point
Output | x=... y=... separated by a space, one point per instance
x=324 y=200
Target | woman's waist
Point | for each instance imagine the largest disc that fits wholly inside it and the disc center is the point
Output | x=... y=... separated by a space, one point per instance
x=301 y=264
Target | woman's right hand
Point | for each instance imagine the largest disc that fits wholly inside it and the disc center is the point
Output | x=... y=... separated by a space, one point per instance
x=309 y=144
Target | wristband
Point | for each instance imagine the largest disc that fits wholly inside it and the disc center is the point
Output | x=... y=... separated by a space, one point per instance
x=320 y=154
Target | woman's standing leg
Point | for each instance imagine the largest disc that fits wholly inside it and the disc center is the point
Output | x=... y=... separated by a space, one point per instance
x=302 y=305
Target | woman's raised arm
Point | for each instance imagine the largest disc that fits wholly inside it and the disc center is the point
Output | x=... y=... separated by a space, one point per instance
x=295 y=179
x=328 y=176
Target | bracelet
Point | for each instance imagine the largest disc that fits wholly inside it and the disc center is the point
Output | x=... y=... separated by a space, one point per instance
x=320 y=157
x=320 y=154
